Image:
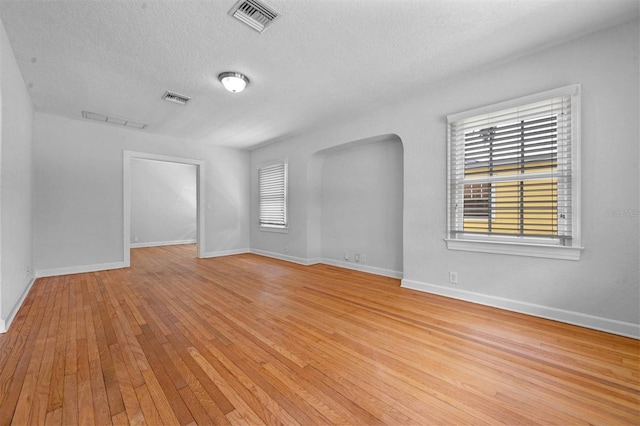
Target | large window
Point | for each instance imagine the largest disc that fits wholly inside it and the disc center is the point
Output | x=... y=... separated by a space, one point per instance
x=513 y=176
x=272 y=189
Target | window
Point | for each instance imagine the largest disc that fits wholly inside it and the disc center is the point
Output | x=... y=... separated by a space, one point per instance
x=513 y=182
x=272 y=189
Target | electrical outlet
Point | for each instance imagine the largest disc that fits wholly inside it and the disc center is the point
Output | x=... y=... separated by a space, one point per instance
x=453 y=277
x=356 y=257
x=363 y=258
x=346 y=255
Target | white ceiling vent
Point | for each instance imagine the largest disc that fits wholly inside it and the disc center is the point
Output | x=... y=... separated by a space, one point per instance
x=255 y=14
x=175 y=98
x=112 y=120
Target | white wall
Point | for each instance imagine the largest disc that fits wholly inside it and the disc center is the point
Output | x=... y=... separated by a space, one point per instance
x=361 y=205
x=16 y=238
x=78 y=215
x=602 y=289
x=163 y=203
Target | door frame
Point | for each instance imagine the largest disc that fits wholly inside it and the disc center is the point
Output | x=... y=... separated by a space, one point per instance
x=200 y=185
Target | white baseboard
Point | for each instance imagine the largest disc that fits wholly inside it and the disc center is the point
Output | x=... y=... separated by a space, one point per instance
x=162 y=243
x=6 y=323
x=288 y=258
x=363 y=268
x=576 y=318
x=225 y=253
x=79 y=269
x=347 y=265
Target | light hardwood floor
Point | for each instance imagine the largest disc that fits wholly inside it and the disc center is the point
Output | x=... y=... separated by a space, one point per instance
x=250 y=340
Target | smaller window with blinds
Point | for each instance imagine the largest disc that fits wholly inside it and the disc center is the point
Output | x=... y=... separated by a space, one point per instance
x=513 y=173
x=272 y=190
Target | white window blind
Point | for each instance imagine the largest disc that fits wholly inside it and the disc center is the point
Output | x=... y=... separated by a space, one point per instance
x=272 y=183
x=511 y=172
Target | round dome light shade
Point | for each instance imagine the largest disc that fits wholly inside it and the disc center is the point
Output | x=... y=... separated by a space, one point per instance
x=233 y=81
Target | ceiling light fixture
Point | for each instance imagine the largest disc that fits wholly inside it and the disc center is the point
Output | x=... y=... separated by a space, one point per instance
x=233 y=81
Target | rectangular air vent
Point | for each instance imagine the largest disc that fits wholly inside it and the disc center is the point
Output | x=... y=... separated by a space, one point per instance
x=112 y=120
x=175 y=98
x=255 y=14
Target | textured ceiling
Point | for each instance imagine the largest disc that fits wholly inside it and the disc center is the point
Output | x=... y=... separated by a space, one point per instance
x=321 y=60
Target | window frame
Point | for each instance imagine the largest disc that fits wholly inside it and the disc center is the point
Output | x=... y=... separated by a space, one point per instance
x=523 y=245
x=272 y=227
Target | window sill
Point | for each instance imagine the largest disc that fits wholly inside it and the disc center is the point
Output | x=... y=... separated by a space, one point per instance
x=274 y=229
x=516 y=248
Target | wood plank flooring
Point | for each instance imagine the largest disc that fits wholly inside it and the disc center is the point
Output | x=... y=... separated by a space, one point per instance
x=249 y=340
